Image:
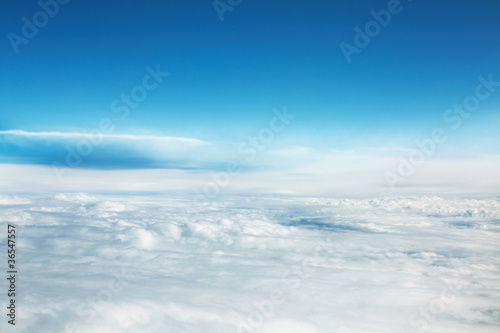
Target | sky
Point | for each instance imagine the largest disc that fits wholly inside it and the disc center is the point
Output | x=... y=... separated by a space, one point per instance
x=178 y=166
x=227 y=77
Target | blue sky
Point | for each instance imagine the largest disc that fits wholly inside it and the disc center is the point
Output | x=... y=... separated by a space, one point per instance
x=226 y=77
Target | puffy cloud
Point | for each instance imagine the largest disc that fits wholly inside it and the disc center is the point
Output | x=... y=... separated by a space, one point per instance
x=92 y=262
x=13 y=200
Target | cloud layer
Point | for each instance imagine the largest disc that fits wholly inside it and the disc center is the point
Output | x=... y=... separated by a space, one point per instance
x=100 y=150
x=80 y=161
x=127 y=263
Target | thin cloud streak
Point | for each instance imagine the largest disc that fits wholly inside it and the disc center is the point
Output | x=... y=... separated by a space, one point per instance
x=107 y=136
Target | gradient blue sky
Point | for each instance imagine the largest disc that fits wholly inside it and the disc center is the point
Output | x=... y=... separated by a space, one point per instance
x=227 y=77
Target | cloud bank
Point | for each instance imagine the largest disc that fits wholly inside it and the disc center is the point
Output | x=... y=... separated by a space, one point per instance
x=128 y=263
x=100 y=150
x=81 y=161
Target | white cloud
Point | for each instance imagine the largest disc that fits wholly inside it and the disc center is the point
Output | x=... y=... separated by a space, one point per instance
x=76 y=135
x=13 y=200
x=154 y=263
x=333 y=174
